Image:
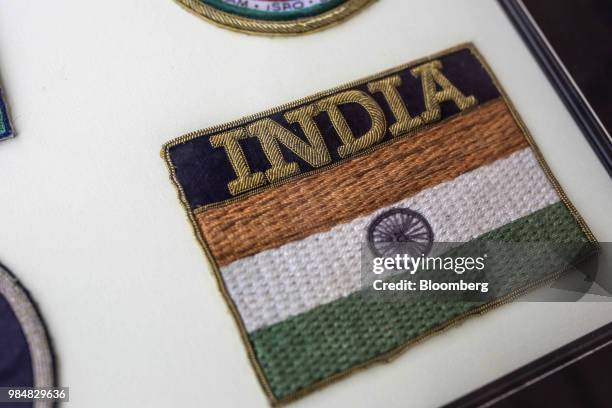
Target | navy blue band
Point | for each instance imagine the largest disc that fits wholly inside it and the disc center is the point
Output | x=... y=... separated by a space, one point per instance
x=204 y=172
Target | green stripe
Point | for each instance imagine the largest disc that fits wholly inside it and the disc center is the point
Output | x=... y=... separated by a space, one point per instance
x=332 y=338
x=273 y=15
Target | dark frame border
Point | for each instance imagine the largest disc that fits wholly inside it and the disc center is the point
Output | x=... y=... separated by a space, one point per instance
x=537 y=370
x=590 y=125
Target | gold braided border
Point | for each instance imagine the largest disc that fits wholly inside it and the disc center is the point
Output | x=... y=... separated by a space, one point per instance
x=274 y=28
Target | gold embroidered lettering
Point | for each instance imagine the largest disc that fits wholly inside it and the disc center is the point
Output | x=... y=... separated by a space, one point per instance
x=246 y=180
x=354 y=144
x=270 y=134
x=403 y=121
x=431 y=78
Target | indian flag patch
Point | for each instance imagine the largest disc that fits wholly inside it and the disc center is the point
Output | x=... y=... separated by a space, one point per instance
x=292 y=203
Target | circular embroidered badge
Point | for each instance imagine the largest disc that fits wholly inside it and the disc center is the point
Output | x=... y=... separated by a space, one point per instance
x=274 y=16
x=400 y=231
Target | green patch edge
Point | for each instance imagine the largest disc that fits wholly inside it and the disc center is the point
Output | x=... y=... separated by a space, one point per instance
x=273 y=16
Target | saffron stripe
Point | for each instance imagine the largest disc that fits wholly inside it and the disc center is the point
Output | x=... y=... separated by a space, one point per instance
x=326 y=266
x=361 y=185
x=333 y=338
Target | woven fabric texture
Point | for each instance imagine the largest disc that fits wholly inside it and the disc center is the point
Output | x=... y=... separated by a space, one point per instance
x=332 y=338
x=323 y=200
x=326 y=266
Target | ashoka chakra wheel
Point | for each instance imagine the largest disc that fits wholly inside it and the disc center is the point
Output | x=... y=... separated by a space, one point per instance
x=400 y=231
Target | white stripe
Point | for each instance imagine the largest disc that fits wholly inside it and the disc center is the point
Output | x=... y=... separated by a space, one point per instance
x=282 y=282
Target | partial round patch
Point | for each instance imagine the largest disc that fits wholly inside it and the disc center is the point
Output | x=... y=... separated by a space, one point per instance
x=25 y=353
x=274 y=16
x=400 y=231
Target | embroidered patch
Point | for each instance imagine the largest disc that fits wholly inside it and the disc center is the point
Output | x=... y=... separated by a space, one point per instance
x=6 y=130
x=284 y=200
x=26 y=359
x=275 y=16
